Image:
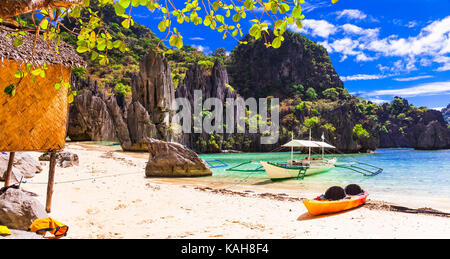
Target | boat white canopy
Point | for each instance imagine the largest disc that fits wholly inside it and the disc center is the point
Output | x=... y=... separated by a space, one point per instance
x=307 y=143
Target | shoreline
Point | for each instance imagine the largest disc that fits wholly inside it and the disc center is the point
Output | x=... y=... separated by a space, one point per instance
x=108 y=196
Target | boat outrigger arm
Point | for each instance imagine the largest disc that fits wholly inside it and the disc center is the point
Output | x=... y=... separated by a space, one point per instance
x=358 y=167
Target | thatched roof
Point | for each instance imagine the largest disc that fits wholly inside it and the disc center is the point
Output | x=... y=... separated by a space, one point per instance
x=43 y=53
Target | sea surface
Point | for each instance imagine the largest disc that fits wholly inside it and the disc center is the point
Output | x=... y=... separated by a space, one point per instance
x=406 y=172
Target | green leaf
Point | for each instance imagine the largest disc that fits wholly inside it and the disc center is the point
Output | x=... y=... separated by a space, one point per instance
x=276 y=43
x=126 y=23
x=82 y=49
x=124 y=3
x=334 y=1
x=10 y=90
x=18 y=41
x=297 y=11
x=176 y=41
x=162 y=26
x=119 y=9
x=117 y=44
x=44 y=24
x=57 y=86
x=94 y=55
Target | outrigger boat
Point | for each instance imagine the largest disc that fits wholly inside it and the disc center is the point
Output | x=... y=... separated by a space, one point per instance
x=299 y=168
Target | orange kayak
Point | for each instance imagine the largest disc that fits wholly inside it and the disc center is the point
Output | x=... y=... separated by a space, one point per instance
x=316 y=207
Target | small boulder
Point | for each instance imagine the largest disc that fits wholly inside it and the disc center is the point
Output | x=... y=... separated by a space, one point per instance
x=169 y=159
x=63 y=158
x=19 y=209
x=24 y=165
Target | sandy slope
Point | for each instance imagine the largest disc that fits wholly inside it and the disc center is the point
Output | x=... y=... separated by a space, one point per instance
x=107 y=196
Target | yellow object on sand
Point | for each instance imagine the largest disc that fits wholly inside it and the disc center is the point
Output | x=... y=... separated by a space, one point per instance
x=4 y=231
x=42 y=226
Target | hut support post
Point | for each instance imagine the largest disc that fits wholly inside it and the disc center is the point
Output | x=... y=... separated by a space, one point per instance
x=10 y=167
x=51 y=181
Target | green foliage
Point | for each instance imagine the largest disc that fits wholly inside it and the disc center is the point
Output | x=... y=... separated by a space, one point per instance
x=206 y=64
x=122 y=89
x=298 y=89
x=384 y=130
x=331 y=93
x=328 y=127
x=359 y=132
x=311 y=122
x=79 y=71
x=311 y=94
x=300 y=106
x=401 y=116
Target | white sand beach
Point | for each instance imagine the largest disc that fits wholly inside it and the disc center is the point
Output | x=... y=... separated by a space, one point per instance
x=108 y=196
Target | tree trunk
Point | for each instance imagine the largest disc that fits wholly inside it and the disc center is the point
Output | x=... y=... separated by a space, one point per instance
x=11 y=8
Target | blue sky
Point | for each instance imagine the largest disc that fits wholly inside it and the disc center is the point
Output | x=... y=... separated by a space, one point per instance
x=379 y=48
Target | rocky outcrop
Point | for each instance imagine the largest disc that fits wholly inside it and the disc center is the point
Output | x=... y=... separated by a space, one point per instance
x=169 y=159
x=411 y=127
x=24 y=165
x=63 y=158
x=89 y=118
x=258 y=71
x=149 y=113
x=433 y=136
x=140 y=127
x=153 y=87
x=95 y=117
x=19 y=209
x=211 y=83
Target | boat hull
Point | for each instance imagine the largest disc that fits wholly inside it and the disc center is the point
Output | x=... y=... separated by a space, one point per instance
x=316 y=207
x=278 y=173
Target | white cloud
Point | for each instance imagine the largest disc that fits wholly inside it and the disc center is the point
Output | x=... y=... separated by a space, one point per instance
x=356 y=30
x=351 y=14
x=407 y=79
x=436 y=88
x=378 y=101
x=308 y=7
x=197 y=38
x=445 y=61
x=432 y=40
x=430 y=45
x=439 y=109
x=201 y=48
x=362 y=77
x=313 y=27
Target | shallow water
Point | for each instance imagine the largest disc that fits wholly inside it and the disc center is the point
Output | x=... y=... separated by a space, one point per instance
x=406 y=172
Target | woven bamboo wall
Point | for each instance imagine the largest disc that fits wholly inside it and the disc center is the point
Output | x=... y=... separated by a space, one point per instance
x=35 y=118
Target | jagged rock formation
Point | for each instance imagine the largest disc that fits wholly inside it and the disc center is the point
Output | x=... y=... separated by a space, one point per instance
x=89 y=118
x=412 y=127
x=169 y=159
x=95 y=117
x=258 y=71
x=213 y=83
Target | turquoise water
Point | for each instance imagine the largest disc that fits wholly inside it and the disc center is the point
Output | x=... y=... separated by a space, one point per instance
x=406 y=171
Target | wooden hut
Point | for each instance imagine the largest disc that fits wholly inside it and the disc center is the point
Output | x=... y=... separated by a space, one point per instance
x=34 y=118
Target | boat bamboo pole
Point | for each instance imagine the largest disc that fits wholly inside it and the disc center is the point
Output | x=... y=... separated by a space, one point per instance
x=51 y=181
x=309 y=148
x=10 y=167
x=292 y=148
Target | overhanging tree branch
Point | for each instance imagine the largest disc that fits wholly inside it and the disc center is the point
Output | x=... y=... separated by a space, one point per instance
x=11 y=8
